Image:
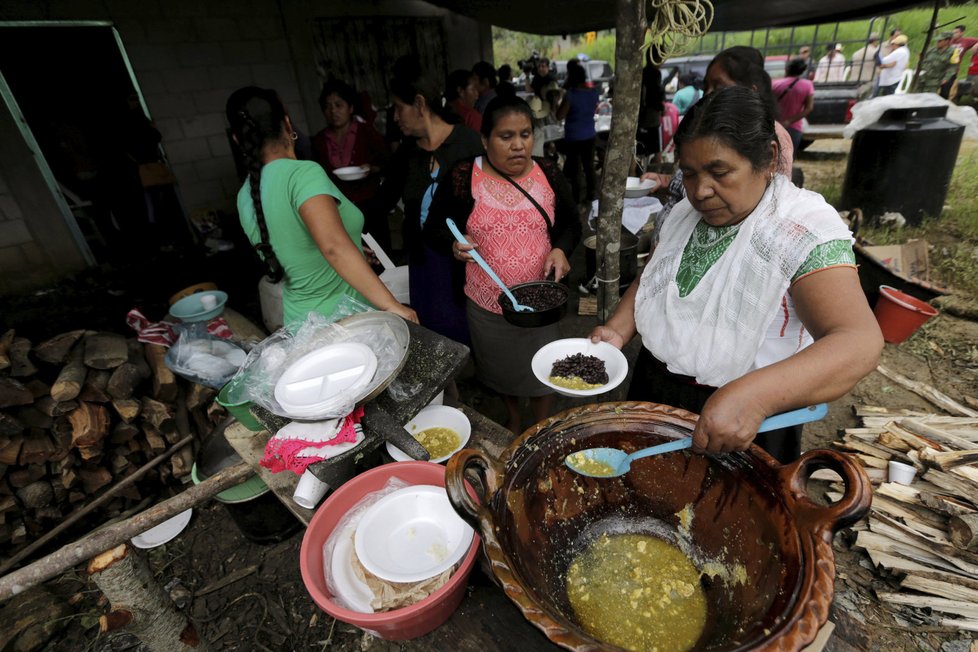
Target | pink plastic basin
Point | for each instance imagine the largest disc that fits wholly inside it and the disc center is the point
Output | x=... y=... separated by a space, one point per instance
x=399 y=624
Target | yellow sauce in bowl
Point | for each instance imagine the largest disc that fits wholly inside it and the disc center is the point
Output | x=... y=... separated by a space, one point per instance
x=439 y=442
x=637 y=592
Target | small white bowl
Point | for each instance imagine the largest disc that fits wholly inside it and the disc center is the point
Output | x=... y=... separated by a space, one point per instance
x=351 y=173
x=635 y=187
x=411 y=535
x=614 y=361
x=435 y=416
x=901 y=473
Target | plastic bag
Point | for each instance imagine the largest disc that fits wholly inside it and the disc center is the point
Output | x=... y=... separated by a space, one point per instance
x=269 y=359
x=868 y=112
x=344 y=530
x=203 y=358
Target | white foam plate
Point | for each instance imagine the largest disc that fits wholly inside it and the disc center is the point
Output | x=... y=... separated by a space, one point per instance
x=164 y=532
x=348 y=585
x=411 y=535
x=351 y=173
x=435 y=416
x=614 y=361
x=325 y=376
x=636 y=187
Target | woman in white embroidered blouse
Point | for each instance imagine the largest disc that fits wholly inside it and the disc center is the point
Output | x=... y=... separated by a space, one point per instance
x=751 y=303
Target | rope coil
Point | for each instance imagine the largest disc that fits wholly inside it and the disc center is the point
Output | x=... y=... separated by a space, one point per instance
x=673 y=24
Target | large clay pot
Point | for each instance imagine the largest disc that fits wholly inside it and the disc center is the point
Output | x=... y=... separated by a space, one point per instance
x=748 y=512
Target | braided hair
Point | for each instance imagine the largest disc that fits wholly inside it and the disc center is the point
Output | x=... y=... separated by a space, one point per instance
x=256 y=116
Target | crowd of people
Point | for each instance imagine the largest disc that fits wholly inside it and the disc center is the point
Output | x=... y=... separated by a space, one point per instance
x=738 y=307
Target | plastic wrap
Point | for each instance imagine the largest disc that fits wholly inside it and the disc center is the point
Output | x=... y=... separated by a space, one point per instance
x=203 y=358
x=345 y=529
x=269 y=359
x=868 y=112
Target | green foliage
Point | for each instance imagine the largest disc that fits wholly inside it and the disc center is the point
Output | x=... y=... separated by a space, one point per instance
x=509 y=47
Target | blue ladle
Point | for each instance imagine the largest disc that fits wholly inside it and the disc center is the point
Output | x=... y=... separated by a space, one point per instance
x=596 y=462
x=518 y=307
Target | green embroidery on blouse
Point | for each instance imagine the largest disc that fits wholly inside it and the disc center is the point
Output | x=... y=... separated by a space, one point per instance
x=708 y=243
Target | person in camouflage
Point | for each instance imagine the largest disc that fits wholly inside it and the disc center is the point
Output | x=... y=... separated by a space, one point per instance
x=936 y=67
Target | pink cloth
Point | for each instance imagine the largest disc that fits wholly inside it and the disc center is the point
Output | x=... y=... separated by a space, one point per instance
x=162 y=332
x=283 y=454
x=341 y=154
x=510 y=231
x=791 y=102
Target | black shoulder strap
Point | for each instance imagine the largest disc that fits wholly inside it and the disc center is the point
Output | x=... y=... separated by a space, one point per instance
x=546 y=218
x=790 y=86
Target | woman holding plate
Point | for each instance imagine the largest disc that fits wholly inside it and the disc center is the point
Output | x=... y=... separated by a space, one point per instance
x=520 y=215
x=750 y=305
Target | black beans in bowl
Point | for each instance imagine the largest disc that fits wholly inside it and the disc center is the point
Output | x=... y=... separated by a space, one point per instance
x=548 y=300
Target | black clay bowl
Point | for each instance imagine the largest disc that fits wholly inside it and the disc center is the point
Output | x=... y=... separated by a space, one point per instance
x=541 y=315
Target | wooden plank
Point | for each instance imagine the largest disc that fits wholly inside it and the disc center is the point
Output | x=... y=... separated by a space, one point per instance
x=935 y=434
x=958 y=607
x=882 y=541
x=922 y=520
x=941 y=589
x=965 y=561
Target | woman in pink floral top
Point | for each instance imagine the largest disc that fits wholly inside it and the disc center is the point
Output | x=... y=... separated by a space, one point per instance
x=520 y=241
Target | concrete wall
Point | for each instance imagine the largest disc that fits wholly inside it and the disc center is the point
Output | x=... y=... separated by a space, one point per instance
x=189 y=55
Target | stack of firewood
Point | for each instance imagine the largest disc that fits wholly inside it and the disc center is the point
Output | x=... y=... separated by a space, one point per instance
x=79 y=413
x=924 y=536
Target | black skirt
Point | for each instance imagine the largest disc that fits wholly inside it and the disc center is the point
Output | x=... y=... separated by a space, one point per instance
x=653 y=382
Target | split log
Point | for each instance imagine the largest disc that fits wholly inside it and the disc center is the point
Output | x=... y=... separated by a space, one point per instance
x=938 y=398
x=127 y=408
x=959 y=607
x=36 y=495
x=123 y=433
x=94 y=478
x=38 y=388
x=87 y=547
x=921 y=519
x=20 y=363
x=31 y=417
x=124 y=380
x=26 y=475
x=10 y=451
x=89 y=424
x=105 y=350
x=945 y=461
x=72 y=376
x=940 y=588
x=95 y=388
x=125 y=577
x=964 y=560
x=37 y=449
x=199 y=395
x=154 y=438
x=53 y=408
x=55 y=350
x=159 y=415
x=164 y=382
x=963 y=531
x=5 y=341
x=10 y=426
x=13 y=392
x=946 y=504
x=942 y=437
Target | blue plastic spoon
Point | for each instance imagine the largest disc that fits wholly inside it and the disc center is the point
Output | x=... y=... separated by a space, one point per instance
x=518 y=307
x=613 y=462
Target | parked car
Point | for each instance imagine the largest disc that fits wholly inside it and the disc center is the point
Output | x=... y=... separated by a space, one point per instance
x=598 y=72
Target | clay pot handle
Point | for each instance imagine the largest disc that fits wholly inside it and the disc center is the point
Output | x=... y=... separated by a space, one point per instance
x=850 y=508
x=460 y=492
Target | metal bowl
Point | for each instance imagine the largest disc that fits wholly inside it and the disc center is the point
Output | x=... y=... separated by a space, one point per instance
x=536 y=318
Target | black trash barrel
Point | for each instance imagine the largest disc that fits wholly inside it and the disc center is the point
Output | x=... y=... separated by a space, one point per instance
x=903 y=163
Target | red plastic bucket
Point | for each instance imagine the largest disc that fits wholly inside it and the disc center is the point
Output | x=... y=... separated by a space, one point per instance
x=899 y=314
x=399 y=624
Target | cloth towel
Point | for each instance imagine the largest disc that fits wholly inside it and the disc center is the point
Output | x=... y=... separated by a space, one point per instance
x=636 y=214
x=163 y=333
x=301 y=443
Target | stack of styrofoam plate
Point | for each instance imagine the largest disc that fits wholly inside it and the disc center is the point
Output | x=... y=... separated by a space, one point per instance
x=325 y=379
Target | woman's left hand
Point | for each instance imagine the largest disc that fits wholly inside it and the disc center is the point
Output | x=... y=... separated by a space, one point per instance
x=728 y=422
x=557 y=263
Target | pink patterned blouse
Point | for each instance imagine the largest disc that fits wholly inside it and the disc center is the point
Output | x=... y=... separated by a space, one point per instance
x=511 y=234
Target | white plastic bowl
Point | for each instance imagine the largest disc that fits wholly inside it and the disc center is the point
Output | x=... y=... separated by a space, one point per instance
x=351 y=173
x=435 y=416
x=635 y=187
x=614 y=360
x=411 y=535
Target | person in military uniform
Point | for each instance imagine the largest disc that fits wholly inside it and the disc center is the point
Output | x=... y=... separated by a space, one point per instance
x=936 y=68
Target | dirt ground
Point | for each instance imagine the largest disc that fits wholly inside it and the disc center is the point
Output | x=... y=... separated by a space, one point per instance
x=265 y=606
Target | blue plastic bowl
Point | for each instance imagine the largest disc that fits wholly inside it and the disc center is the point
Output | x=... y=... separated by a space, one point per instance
x=191 y=309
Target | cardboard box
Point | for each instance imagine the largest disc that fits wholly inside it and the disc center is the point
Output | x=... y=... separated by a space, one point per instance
x=908 y=259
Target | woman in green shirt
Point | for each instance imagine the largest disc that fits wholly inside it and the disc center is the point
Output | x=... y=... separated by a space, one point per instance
x=751 y=304
x=305 y=230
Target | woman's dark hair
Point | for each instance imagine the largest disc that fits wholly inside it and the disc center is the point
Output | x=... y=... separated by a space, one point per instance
x=689 y=79
x=576 y=75
x=342 y=90
x=505 y=71
x=796 y=67
x=406 y=88
x=745 y=66
x=500 y=107
x=738 y=117
x=257 y=116
x=456 y=79
x=486 y=71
